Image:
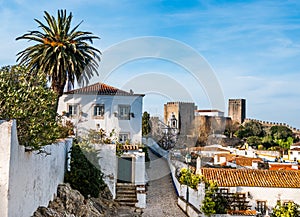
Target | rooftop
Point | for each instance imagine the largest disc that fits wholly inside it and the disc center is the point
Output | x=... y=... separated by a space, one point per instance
x=102 y=89
x=246 y=161
x=253 y=178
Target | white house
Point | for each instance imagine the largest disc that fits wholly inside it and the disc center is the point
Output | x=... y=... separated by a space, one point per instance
x=294 y=152
x=261 y=188
x=102 y=106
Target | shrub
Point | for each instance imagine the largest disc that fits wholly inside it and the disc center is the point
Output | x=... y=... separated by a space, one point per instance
x=186 y=177
x=84 y=176
x=28 y=100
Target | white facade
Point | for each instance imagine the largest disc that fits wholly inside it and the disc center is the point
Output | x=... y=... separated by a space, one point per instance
x=121 y=113
x=211 y=113
x=28 y=179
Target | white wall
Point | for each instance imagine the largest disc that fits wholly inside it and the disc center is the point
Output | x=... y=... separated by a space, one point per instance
x=108 y=164
x=109 y=122
x=28 y=179
x=271 y=195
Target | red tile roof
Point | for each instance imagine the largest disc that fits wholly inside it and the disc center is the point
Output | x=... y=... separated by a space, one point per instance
x=253 y=178
x=209 y=148
x=274 y=166
x=246 y=161
x=242 y=212
x=130 y=147
x=296 y=144
x=102 y=89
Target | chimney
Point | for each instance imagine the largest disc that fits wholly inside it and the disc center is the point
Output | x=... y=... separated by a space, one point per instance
x=198 y=166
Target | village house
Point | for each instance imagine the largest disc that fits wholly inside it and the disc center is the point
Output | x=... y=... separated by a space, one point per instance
x=100 y=106
x=294 y=152
x=259 y=189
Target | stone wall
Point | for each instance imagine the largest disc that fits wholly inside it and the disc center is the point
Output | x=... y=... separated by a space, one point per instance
x=28 y=179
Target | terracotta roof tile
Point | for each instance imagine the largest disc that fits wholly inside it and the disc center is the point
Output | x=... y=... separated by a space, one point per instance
x=253 y=178
x=296 y=144
x=242 y=212
x=101 y=89
x=130 y=147
x=208 y=148
x=274 y=166
x=246 y=161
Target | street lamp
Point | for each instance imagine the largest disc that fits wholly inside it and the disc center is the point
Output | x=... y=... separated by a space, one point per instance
x=188 y=159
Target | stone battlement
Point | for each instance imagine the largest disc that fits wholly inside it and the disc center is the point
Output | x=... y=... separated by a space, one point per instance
x=269 y=123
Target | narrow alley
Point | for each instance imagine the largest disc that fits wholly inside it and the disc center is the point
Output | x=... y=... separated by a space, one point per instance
x=161 y=195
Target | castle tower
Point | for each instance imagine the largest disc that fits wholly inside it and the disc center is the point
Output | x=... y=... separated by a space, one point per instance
x=237 y=110
x=183 y=112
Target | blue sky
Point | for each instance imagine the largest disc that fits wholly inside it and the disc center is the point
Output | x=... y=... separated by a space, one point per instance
x=252 y=46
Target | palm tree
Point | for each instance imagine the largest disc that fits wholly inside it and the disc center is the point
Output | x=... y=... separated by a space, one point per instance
x=61 y=53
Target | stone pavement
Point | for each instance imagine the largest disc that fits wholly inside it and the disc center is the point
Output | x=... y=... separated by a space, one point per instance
x=161 y=195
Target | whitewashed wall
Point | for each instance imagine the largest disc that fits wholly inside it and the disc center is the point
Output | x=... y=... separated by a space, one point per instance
x=28 y=179
x=108 y=164
x=271 y=195
x=85 y=121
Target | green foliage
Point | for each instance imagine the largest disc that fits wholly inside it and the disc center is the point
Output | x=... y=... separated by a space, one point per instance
x=62 y=53
x=254 y=140
x=290 y=209
x=188 y=178
x=84 y=176
x=251 y=128
x=146 y=124
x=101 y=137
x=280 y=132
x=213 y=202
x=27 y=99
x=284 y=144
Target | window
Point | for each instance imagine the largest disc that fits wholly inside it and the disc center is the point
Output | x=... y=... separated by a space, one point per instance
x=124 y=112
x=73 y=110
x=98 y=111
x=261 y=206
x=123 y=137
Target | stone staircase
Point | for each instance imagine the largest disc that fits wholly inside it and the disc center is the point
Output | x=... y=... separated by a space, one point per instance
x=126 y=194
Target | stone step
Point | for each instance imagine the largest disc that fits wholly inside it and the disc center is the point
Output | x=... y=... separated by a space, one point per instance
x=130 y=200
x=126 y=187
x=125 y=191
x=126 y=197
x=131 y=204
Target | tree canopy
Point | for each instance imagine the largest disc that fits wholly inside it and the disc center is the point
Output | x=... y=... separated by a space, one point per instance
x=27 y=100
x=62 y=53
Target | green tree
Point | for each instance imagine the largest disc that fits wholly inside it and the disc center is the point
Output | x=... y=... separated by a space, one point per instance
x=27 y=100
x=254 y=140
x=280 y=132
x=213 y=202
x=290 y=209
x=84 y=176
x=284 y=144
x=61 y=53
x=251 y=128
x=146 y=124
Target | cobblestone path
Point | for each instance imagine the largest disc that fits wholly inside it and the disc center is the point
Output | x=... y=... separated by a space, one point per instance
x=161 y=195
